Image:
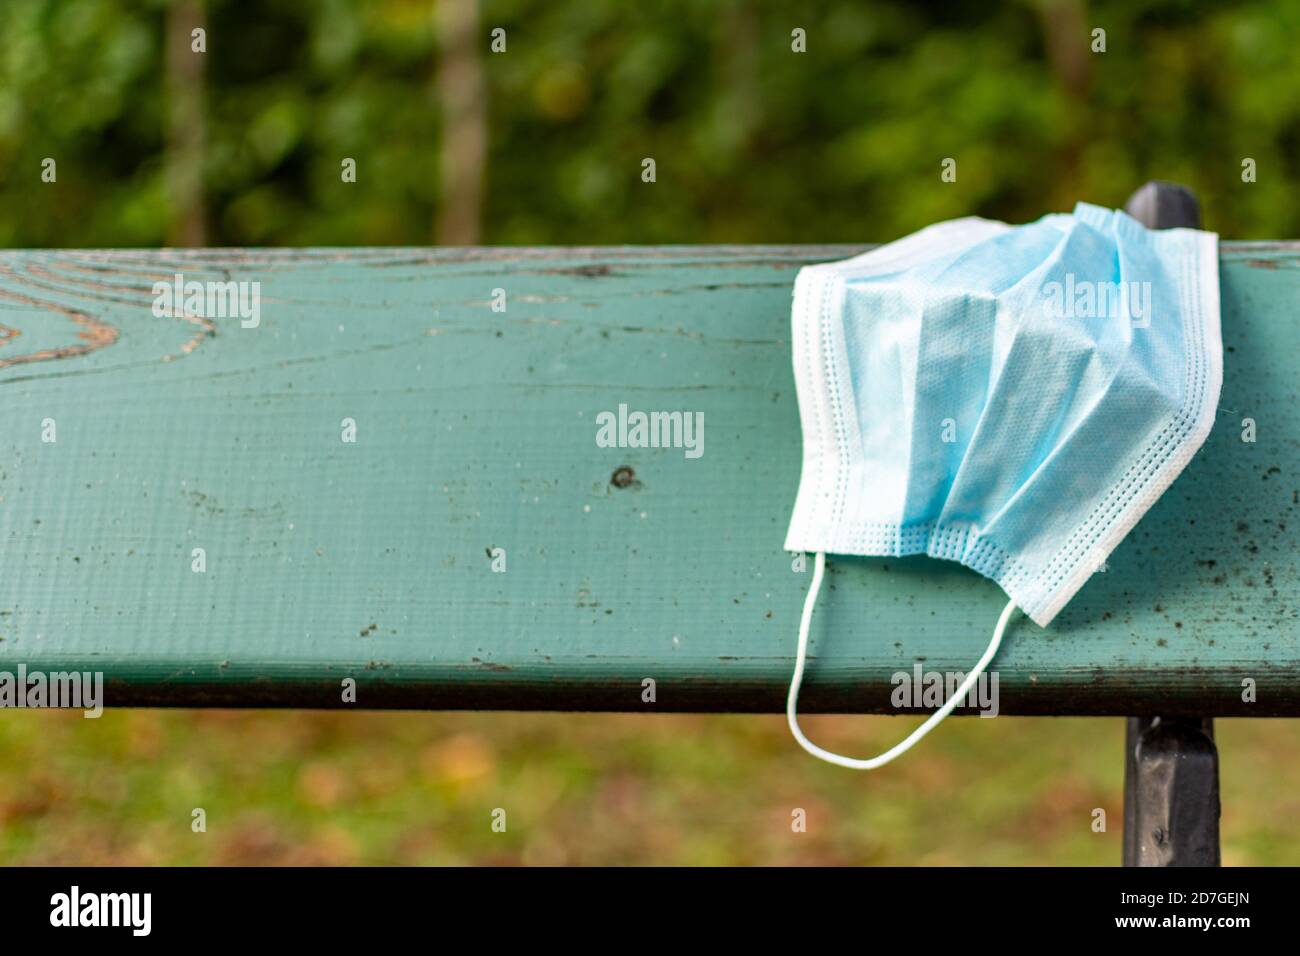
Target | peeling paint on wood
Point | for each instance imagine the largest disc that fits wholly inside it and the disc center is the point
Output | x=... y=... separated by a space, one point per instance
x=328 y=560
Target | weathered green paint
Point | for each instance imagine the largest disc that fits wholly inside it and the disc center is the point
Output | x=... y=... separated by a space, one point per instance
x=476 y=430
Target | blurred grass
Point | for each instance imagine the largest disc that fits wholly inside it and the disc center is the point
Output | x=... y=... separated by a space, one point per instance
x=322 y=788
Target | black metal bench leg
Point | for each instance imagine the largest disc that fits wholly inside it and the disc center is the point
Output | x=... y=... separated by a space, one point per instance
x=1171 y=771
x=1171 y=792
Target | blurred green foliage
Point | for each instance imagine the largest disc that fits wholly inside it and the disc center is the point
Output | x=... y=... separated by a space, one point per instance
x=753 y=142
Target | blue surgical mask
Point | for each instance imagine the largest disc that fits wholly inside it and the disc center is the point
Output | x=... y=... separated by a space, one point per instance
x=1013 y=399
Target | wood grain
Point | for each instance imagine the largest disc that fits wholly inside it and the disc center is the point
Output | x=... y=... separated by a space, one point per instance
x=476 y=430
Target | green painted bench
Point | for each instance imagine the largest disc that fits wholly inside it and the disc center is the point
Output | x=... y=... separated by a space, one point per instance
x=476 y=448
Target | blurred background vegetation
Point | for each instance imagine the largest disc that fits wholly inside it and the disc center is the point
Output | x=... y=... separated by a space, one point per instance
x=542 y=144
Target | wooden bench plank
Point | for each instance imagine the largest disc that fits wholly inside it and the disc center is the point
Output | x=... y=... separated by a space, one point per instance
x=476 y=430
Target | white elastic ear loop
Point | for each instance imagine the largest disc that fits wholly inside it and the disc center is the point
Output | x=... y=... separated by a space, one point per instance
x=792 y=701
